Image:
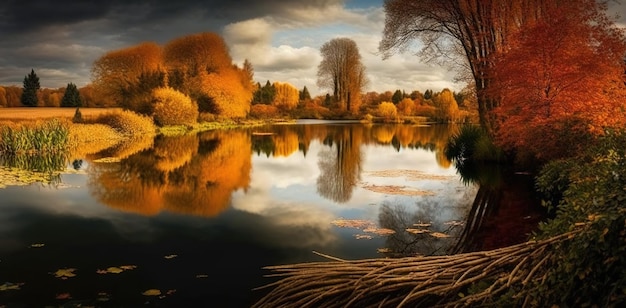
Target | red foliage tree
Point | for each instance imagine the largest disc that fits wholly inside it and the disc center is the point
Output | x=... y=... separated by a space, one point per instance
x=560 y=77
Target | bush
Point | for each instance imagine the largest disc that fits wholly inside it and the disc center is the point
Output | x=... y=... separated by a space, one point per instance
x=127 y=122
x=387 y=110
x=472 y=143
x=262 y=111
x=173 y=108
x=590 y=269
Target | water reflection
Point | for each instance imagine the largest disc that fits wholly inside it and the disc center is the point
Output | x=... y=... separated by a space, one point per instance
x=188 y=174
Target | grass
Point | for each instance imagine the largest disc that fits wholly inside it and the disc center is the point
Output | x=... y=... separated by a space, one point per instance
x=20 y=114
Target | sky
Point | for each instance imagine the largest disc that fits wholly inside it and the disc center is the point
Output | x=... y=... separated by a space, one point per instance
x=61 y=39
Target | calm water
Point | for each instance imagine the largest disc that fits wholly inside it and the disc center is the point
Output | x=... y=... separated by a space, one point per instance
x=198 y=217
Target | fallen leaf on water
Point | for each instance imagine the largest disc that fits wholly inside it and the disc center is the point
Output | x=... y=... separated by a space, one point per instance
x=352 y=223
x=116 y=270
x=63 y=296
x=37 y=245
x=64 y=273
x=417 y=231
x=170 y=256
x=363 y=237
x=10 y=286
x=383 y=250
x=379 y=231
x=439 y=235
x=152 y=292
x=422 y=225
x=453 y=223
x=170 y=292
x=202 y=276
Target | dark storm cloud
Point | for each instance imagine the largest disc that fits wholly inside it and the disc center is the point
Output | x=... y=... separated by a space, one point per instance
x=67 y=35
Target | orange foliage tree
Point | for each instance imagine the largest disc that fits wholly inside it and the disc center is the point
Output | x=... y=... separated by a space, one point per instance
x=226 y=93
x=118 y=74
x=561 y=77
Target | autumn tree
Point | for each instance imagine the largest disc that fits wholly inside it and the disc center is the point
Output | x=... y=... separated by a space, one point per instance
x=406 y=107
x=225 y=95
x=560 y=78
x=71 y=97
x=31 y=87
x=264 y=94
x=447 y=110
x=474 y=30
x=341 y=71
x=387 y=110
x=286 y=97
x=129 y=75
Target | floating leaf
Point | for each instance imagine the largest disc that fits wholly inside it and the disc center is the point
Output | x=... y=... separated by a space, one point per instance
x=422 y=225
x=439 y=235
x=128 y=267
x=63 y=296
x=152 y=292
x=116 y=270
x=202 y=276
x=379 y=231
x=170 y=256
x=65 y=273
x=417 y=231
x=363 y=237
x=383 y=250
x=352 y=223
x=37 y=245
x=10 y=286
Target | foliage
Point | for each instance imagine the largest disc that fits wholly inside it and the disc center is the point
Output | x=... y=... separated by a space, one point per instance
x=49 y=136
x=406 y=107
x=447 y=109
x=264 y=94
x=126 y=122
x=71 y=97
x=286 y=96
x=472 y=144
x=387 y=110
x=262 y=111
x=589 y=270
x=561 y=76
x=193 y=54
x=229 y=96
x=173 y=108
x=117 y=73
x=31 y=87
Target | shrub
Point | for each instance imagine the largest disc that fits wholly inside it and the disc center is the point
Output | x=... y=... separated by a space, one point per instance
x=590 y=269
x=127 y=122
x=78 y=116
x=173 y=108
x=262 y=111
x=387 y=110
x=472 y=143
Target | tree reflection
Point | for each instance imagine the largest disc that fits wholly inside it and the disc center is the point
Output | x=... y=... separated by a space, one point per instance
x=419 y=232
x=340 y=164
x=187 y=174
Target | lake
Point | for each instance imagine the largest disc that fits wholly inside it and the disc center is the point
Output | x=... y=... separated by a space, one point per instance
x=191 y=221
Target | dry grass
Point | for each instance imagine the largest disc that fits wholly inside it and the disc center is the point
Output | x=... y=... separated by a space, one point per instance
x=29 y=113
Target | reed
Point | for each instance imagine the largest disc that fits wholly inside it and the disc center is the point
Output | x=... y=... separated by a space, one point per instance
x=49 y=136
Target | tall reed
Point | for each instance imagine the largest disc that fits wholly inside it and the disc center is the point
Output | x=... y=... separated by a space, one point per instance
x=50 y=136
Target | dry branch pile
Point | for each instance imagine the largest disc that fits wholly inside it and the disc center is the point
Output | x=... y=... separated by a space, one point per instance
x=435 y=281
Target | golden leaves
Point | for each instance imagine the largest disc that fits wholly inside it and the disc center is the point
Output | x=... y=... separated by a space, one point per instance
x=366 y=225
x=116 y=270
x=152 y=292
x=7 y=286
x=65 y=273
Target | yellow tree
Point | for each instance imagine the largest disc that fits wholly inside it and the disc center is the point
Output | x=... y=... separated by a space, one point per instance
x=286 y=97
x=192 y=54
x=447 y=110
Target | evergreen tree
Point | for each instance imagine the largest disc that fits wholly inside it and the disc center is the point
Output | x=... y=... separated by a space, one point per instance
x=71 y=98
x=304 y=94
x=31 y=87
x=397 y=97
x=428 y=94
